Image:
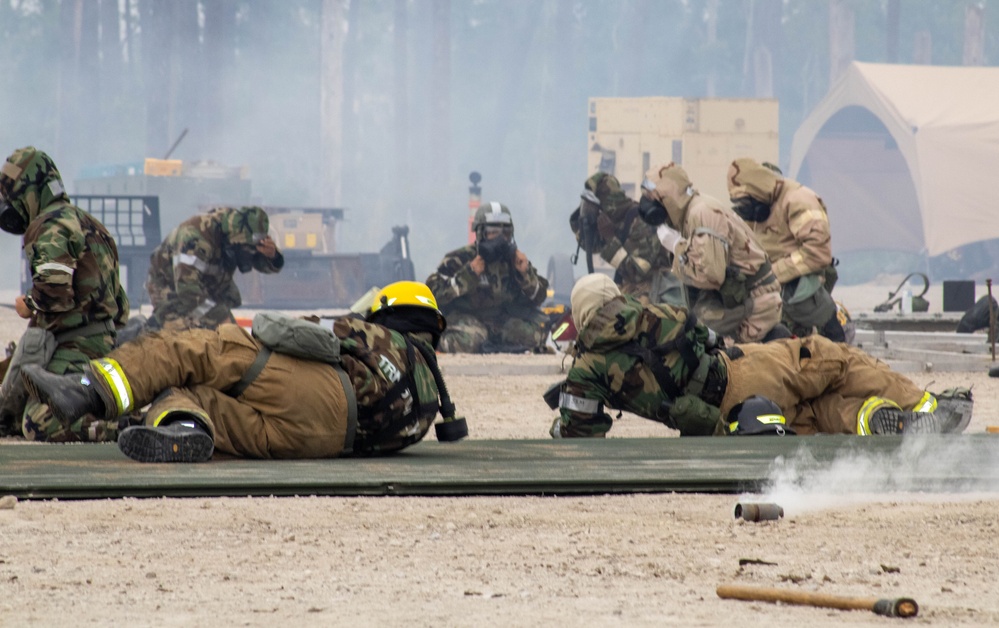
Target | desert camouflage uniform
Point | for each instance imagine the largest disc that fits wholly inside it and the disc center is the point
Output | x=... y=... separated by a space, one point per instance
x=718 y=252
x=640 y=263
x=820 y=385
x=498 y=307
x=190 y=281
x=796 y=233
x=294 y=408
x=75 y=286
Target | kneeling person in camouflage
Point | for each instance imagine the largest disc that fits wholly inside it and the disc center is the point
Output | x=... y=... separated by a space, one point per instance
x=76 y=303
x=191 y=272
x=659 y=363
x=490 y=291
x=225 y=390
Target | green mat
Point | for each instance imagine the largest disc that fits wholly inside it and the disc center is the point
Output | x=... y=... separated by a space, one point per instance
x=511 y=467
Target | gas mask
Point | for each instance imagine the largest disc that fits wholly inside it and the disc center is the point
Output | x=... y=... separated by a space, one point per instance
x=653 y=212
x=11 y=220
x=496 y=249
x=238 y=257
x=750 y=209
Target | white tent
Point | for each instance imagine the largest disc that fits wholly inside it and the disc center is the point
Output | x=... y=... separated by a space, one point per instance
x=905 y=157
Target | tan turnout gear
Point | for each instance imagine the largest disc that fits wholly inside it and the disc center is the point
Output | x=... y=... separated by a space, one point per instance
x=836 y=379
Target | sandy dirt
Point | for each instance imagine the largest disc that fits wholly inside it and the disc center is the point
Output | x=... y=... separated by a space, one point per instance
x=636 y=560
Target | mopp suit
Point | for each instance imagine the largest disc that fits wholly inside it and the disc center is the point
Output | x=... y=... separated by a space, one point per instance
x=717 y=253
x=641 y=264
x=792 y=224
x=76 y=302
x=489 y=291
x=191 y=272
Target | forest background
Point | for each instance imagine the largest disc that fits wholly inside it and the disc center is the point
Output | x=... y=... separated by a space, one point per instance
x=383 y=107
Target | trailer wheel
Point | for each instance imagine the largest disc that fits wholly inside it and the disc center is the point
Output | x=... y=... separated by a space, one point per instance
x=561 y=278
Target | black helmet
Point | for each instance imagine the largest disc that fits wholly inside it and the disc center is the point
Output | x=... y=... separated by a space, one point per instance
x=755 y=416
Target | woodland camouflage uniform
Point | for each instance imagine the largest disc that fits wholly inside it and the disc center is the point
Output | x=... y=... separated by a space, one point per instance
x=640 y=262
x=294 y=408
x=498 y=307
x=75 y=289
x=820 y=385
x=739 y=296
x=795 y=234
x=190 y=281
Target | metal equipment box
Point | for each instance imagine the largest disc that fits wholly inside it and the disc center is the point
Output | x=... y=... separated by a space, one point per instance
x=629 y=135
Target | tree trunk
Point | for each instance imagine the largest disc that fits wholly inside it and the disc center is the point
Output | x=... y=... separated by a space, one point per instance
x=764 y=43
x=841 y=40
x=400 y=57
x=440 y=94
x=711 y=37
x=633 y=61
x=186 y=102
x=216 y=82
x=109 y=96
x=892 y=16
x=974 y=34
x=922 y=48
x=332 y=34
x=155 y=42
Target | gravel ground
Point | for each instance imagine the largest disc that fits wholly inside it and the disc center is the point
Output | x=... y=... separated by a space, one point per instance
x=631 y=560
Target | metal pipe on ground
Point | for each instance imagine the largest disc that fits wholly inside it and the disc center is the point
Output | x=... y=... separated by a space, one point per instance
x=758 y=511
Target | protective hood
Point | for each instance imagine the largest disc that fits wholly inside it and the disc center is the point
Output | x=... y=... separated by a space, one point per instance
x=590 y=294
x=30 y=182
x=613 y=201
x=673 y=189
x=747 y=177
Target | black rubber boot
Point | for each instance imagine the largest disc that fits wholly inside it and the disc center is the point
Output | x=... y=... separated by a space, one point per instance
x=69 y=396
x=181 y=441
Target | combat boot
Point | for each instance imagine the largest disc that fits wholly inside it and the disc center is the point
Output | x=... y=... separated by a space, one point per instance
x=954 y=407
x=184 y=440
x=894 y=420
x=68 y=396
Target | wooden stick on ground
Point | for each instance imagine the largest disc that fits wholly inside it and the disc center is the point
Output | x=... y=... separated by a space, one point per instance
x=899 y=607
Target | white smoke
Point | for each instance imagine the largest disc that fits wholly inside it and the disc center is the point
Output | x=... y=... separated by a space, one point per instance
x=922 y=468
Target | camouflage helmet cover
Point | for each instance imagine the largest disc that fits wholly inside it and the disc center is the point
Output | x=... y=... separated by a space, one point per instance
x=242 y=226
x=29 y=181
x=608 y=191
x=492 y=213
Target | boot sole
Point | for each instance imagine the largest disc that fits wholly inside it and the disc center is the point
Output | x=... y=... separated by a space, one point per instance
x=964 y=421
x=148 y=444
